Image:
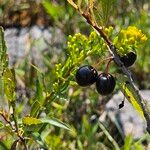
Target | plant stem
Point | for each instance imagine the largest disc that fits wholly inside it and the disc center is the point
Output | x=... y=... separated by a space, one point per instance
x=108 y=65
x=15 y=129
x=110 y=138
x=22 y=139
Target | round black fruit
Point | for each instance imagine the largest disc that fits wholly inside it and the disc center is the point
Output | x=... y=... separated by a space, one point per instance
x=128 y=59
x=105 y=83
x=86 y=75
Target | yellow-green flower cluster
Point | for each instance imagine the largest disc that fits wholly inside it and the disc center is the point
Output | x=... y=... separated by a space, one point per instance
x=129 y=39
x=109 y=31
x=132 y=35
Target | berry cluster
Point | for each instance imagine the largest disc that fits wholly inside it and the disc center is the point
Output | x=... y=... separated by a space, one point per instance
x=87 y=75
x=105 y=82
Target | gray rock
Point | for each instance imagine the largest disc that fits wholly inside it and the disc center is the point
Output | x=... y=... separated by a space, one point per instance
x=32 y=43
x=130 y=119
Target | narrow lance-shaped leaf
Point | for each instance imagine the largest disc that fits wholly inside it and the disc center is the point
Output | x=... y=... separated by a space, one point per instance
x=56 y=123
x=133 y=98
x=34 y=121
x=35 y=108
x=9 y=84
x=128 y=142
x=3 y=52
x=39 y=91
x=3 y=59
x=37 y=137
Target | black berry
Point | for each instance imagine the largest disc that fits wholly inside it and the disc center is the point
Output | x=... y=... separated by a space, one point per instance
x=128 y=59
x=105 y=83
x=86 y=75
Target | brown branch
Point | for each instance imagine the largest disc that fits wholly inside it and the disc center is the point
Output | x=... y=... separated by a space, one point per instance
x=97 y=28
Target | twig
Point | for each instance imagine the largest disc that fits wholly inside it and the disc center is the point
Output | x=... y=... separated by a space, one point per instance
x=22 y=139
x=14 y=128
x=108 y=64
x=7 y=120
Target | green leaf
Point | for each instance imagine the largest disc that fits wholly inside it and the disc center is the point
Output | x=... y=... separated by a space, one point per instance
x=39 y=140
x=135 y=99
x=56 y=123
x=79 y=144
x=139 y=146
x=53 y=9
x=32 y=124
x=3 y=52
x=128 y=142
x=3 y=146
x=103 y=9
x=34 y=121
x=39 y=91
x=31 y=121
x=1 y=125
x=9 y=84
x=86 y=125
x=35 y=108
x=3 y=59
x=130 y=94
x=110 y=138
